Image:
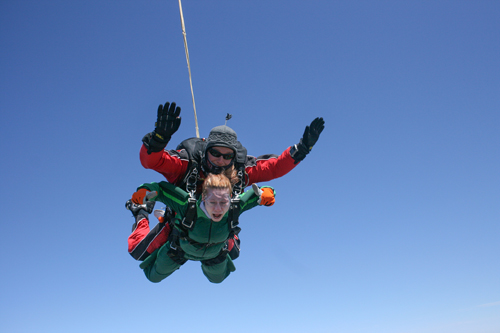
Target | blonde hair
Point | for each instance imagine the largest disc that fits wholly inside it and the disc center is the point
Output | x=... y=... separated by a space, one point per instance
x=216 y=181
x=232 y=175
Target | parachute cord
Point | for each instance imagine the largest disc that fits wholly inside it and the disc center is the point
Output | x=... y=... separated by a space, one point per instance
x=189 y=68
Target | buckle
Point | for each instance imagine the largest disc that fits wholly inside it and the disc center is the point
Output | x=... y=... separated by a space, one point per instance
x=233 y=224
x=186 y=225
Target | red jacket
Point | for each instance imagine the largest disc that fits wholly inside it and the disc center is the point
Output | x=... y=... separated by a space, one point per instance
x=173 y=164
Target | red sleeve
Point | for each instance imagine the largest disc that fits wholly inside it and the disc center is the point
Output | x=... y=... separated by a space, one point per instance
x=267 y=167
x=169 y=163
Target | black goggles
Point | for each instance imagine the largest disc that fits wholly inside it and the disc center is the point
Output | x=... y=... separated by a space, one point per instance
x=215 y=153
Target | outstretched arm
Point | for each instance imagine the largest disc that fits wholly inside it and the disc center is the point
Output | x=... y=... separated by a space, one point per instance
x=268 y=167
x=171 y=195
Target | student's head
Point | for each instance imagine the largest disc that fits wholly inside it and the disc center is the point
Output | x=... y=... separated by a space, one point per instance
x=221 y=149
x=216 y=195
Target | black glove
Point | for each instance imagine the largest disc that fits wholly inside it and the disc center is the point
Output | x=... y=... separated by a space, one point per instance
x=167 y=123
x=312 y=132
x=309 y=139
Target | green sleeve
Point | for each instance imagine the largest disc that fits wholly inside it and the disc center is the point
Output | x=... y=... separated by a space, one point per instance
x=248 y=200
x=171 y=195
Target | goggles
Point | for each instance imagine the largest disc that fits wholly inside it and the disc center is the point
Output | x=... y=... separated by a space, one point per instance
x=218 y=197
x=215 y=153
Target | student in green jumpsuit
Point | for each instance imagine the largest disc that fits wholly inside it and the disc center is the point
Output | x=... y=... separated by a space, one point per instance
x=208 y=238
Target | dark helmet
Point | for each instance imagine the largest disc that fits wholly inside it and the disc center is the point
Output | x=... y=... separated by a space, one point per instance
x=221 y=136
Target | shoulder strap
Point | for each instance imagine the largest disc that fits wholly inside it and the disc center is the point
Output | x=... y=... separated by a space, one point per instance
x=191 y=215
x=241 y=157
x=233 y=217
x=234 y=208
x=193 y=148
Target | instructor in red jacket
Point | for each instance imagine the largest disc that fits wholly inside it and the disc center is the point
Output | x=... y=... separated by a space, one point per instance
x=219 y=153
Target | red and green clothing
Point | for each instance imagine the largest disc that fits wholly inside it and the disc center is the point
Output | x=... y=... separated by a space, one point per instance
x=173 y=164
x=204 y=241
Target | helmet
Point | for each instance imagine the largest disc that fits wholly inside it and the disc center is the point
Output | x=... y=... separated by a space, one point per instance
x=220 y=136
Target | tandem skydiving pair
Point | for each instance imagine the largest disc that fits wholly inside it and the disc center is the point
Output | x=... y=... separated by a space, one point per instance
x=203 y=196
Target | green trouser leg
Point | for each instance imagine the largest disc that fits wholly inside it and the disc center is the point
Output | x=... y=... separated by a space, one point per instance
x=159 y=265
x=218 y=273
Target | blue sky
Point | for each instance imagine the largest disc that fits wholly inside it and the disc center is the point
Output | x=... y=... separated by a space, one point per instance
x=390 y=225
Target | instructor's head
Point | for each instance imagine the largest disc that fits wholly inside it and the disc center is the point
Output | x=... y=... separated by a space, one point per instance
x=221 y=149
x=216 y=195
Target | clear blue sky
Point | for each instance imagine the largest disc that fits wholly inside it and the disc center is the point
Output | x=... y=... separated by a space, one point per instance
x=390 y=225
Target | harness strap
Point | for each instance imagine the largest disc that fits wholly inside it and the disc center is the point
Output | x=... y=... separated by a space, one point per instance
x=192 y=179
x=238 y=187
x=233 y=217
x=191 y=214
x=191 y=184
x=175 y=252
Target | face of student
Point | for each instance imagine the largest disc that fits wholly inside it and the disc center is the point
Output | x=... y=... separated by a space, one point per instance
x=217 y=203
x=220 y=156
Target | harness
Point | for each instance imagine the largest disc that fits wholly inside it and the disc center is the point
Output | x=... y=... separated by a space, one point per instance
x=194 y=148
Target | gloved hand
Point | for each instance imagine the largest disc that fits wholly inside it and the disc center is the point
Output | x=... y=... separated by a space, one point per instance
x=312 y=132
x=309 y=139
x=142 y=195
x=167 y=122
x=266 y=195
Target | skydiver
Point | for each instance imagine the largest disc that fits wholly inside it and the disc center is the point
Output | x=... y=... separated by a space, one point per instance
x=221 y=152
x=203 y=236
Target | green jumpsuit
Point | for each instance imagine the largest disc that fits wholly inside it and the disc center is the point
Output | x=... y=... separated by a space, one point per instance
x=206 y=239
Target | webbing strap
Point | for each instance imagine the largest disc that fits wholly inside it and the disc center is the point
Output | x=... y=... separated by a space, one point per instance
x=192 y=180
x=191 y=214
x=189 y=67
x=175 y=252
x=234 y=213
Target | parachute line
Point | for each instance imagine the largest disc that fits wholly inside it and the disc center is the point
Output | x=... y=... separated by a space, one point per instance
x=189 y=68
